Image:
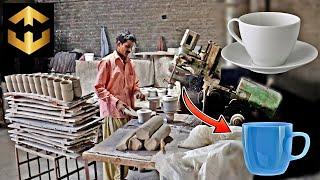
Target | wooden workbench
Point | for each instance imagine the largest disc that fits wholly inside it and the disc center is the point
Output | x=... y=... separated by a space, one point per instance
x=106 y=150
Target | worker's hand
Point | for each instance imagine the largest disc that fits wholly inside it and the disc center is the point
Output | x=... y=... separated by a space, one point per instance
x=120 y=105
x=140 y=96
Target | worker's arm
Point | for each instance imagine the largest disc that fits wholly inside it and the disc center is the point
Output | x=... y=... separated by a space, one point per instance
x=101 y=82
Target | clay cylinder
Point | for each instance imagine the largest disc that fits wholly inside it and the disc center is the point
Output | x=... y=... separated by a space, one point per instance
x=9 y=83
x=161 y=92
x=51 y=92
x=26 y=83
x=57 y=88
x=37 y=83
x=55 y=75
x=154 y=103
x=152 y=92
x=60 y=75
x=169 y=103
x=67 y=77
x=143 y=115
x=31 y=84
x=43 y=80
x=20 y=82
x=67 y=90
x=76 y=87
x=15 y=83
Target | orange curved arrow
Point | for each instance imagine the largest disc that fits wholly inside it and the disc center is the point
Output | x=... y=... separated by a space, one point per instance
x=221 y=126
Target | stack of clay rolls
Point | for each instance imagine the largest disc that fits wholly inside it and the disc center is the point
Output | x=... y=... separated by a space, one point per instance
x=14 y=83
x=43 y=81
x=67 y=90
x=37 y=83
x=76 y=86
x=66 y=77
x=32 y=84
x=26 y=83
x=59 y=86
x=9 y=83
x=20 y=82
x=60 y=76
x=50 y=87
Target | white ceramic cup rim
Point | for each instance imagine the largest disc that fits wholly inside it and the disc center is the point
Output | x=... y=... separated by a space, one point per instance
x=295 y=19
x=144 y=111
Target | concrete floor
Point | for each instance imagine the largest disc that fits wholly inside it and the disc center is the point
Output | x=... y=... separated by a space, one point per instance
x=8 y=168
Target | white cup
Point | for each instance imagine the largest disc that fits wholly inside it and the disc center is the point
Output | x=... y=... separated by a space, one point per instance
x=143 y=115
x=268 y=37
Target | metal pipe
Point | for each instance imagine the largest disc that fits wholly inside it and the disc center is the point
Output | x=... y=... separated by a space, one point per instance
x=17 y=161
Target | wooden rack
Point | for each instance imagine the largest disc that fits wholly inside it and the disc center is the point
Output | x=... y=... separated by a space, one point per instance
x=42 y=122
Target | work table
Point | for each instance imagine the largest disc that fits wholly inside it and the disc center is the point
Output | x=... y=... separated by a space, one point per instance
x=106 y=151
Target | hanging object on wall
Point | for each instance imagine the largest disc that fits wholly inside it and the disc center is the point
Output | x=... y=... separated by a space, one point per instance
x=104 y=43
x=161 y=46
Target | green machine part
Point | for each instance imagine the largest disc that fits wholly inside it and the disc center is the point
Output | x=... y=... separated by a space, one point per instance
x=259 y=96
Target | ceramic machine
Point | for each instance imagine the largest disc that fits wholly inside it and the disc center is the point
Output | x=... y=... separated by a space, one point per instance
x=249 y=101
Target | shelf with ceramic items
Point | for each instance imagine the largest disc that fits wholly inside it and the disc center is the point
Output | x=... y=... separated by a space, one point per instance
x=60 y=88
x=50 y=124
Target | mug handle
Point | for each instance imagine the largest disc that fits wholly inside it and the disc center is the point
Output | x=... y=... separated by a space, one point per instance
x=306 y=146
x=232 y=33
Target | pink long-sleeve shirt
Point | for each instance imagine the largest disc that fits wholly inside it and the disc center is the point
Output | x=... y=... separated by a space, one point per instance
x=116 y=80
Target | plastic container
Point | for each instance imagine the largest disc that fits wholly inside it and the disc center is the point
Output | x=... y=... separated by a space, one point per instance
x=88 y=56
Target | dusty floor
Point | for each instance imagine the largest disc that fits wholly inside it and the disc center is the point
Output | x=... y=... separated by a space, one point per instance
x=8 y=169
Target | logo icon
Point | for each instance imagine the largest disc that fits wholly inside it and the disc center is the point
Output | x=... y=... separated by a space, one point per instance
x=28 y=14
x=29 y=28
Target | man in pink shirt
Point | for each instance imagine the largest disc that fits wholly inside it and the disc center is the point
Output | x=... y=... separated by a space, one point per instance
x=116 y=85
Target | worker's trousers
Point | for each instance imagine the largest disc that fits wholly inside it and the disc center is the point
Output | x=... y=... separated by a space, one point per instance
x=110 y=171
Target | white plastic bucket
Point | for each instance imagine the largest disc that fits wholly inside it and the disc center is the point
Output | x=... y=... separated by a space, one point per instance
x=88 y=56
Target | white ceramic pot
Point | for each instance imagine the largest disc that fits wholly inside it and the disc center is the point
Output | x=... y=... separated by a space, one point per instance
x=169 y=103
x=161 y=92
x=144 y=115
x=152 y=92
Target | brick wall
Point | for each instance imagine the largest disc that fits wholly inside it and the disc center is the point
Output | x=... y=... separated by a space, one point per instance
x=78 y=22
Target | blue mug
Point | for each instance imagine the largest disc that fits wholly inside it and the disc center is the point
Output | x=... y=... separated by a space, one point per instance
x=267 y=147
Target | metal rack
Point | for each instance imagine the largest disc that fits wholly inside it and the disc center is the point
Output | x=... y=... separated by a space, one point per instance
x=55 y=159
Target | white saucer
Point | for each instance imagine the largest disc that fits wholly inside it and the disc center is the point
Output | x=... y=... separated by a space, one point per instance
x=301 y=54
